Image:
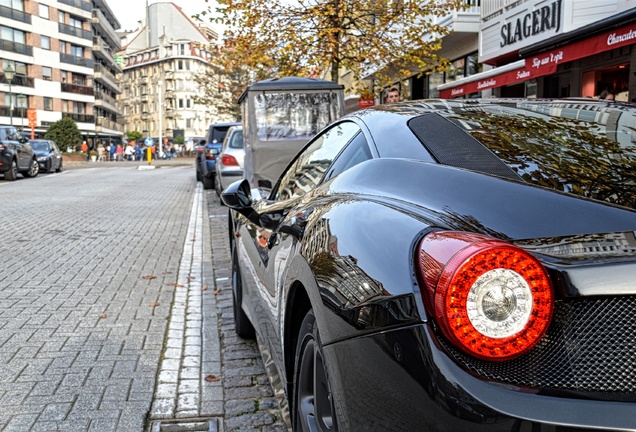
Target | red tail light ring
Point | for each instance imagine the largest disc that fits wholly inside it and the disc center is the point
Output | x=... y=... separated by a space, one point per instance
x=229 y=160
x=493 y=300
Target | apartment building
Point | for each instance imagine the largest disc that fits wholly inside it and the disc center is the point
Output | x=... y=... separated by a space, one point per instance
x=47 y=46
x=160 y=59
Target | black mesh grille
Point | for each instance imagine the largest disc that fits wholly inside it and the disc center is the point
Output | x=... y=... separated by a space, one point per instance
x=590 y=347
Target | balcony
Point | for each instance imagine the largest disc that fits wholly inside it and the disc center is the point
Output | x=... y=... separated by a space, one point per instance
x=18 y=48
x=145 y=116
x=78 y=89
x=15 y=14
x=144 y=97
x=75 y=60
x=106 y=77
x=5 y=111
x=84 y=5
x=169 y=113
x=80 y=118
x=106 y=123
x=169 y=75
x=75 y=31
x=107 y=31
x=19 y=80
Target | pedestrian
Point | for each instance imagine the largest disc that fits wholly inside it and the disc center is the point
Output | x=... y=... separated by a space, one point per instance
x=129 y=152
x=100 y=153
x=112 y=151
x=85 y=149
x=392 y=95
x=120 y=152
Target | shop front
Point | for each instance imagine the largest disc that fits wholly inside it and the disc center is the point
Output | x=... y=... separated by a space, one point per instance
x=595 y=60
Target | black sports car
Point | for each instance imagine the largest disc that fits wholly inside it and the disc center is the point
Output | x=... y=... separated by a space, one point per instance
x=449 y=266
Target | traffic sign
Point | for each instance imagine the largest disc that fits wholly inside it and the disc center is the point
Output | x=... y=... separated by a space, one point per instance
x=149 y=141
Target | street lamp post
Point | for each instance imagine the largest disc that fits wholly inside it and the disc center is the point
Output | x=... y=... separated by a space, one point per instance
x=9 y=73
x=21 y=104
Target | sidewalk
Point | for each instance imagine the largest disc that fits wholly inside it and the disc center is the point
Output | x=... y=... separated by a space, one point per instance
x=179 y=161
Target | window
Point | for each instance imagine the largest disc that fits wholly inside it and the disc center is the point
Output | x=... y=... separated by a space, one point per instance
x=310 y=165
x=44 y=11
x=19 y=67
x=180 y=65
x=48 y=104
x=79 y=79
x=180 y=103
x=60 y=17
x=74 y=22
x=45 y=42
x=355 y=153
x=77 y=50
x=47 y=73
x=63 y=47
x=64 y=76
x=13 y=35
x=13 y=4
x=188 y=103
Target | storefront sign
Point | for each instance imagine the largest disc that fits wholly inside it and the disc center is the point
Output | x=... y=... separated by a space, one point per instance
x=541 y=20
x=546 y=63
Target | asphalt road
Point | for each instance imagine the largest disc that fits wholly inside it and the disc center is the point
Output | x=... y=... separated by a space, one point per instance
x=115 y=306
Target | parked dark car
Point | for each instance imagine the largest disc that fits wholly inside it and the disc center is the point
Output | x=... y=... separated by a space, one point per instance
x=48 y=154
x=229 y=163
x=16 y=155
x=207 y=152
x=449 y=265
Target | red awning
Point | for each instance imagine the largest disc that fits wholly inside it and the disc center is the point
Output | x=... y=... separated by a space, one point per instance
x=544 y=63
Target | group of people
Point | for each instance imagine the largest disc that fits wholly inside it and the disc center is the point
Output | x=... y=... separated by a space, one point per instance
x=129 y=151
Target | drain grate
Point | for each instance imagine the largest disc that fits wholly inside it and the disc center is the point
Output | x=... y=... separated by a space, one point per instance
x=189 y=425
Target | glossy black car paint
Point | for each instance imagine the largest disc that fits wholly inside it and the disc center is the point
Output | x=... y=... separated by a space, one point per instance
x=346 y=250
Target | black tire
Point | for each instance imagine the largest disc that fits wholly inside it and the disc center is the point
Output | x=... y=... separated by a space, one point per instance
x=242 y=324
x=208 y=183
x=34 y=169
x=12 y=174
x=61 y=167
x=312 y=406
x=199 y=176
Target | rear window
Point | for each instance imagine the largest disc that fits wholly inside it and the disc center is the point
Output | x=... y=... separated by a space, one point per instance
x=552 y=147
x=217 y=133
x=236 y=140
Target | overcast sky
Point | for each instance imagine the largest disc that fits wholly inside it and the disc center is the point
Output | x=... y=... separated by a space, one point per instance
x=130 y=12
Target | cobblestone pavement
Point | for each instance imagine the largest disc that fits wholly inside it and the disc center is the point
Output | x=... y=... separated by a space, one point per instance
x=250 y=404
x=115 y=307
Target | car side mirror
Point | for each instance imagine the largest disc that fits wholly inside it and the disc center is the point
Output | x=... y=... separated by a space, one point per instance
x=238 y=196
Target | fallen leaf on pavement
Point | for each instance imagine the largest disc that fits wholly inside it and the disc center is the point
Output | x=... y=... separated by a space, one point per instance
x=153 y=304
x=216 y=291
x=103 y=316
x=174 y=284
x=149 y=277
x=212 y=378
x=191 y=277
x=204 y=287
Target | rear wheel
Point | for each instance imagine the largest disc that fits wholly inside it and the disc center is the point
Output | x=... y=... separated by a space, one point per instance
x=12 y=174
x=208 y=182
x=198 y=176
x=313 y=408
x=242 y=324
x=34 y=169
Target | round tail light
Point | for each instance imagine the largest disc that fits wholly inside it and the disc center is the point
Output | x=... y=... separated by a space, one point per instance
x=491 y=299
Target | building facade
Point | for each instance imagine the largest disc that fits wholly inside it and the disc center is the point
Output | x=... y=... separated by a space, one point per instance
x=554 y=48
x=160 y=60
x=49 y=44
